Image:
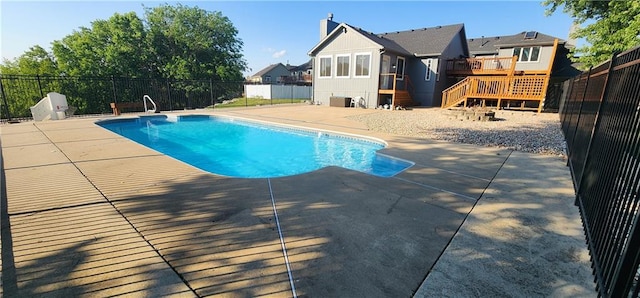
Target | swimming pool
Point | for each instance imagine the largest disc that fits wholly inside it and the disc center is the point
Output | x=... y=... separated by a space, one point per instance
x=247 y=149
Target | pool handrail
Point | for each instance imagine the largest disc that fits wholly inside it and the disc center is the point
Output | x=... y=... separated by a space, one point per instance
x=144 y=100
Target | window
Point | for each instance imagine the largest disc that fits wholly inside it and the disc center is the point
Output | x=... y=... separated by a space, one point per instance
x=427 y=76
x=528 y=54
x=400 y=68
x=530 y=35
x=363 y=64
x=325 y=67
x=267 y=79
x=342 y=66
x=535 y=53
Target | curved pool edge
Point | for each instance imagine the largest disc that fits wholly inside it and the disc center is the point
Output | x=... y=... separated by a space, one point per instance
x=176 y=117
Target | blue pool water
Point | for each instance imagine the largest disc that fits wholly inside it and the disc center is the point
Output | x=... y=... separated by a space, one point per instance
x=237 y=148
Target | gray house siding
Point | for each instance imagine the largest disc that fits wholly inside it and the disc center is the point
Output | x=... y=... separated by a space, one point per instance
x=546 y=52
x=430 y=92
x=418 y=47
x=347 y=44
x=279 y=71
x=423 y=88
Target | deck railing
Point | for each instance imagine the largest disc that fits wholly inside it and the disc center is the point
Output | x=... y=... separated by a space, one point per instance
x=399 y=88
x=390 y=81
x=496 y=87
x=480 y=66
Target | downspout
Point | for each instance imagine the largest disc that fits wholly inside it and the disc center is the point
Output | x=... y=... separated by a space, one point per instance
x=379 y=77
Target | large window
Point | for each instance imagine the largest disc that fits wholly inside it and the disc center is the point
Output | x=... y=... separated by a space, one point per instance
x=325 y=67
x=527 y=54
x=363 y=64
x=342 y=66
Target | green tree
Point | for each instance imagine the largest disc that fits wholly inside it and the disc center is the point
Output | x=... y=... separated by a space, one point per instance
x=23 y=92
x=192 y=43
x=114 y=47
x=608 y=26
x=35 y=61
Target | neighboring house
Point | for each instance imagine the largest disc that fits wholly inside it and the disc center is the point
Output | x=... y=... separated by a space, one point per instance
x=508 y=70
x=396 y=68
x=272 y=74
x=301 y=74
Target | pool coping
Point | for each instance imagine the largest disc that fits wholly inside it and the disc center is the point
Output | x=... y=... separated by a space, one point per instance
x=498 y=191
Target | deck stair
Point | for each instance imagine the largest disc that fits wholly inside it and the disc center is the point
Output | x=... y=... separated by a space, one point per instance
x=496 y=88
x=403 y=98
x=400 y=91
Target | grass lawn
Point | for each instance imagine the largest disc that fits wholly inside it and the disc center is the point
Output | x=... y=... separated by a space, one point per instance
x=246 y=102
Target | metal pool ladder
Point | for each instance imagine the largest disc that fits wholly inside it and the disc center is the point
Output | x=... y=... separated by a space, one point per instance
x=144 y=100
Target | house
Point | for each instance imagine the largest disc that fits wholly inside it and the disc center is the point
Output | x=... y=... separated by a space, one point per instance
x=504 y=71
x=395 y=69
x=272 y=74
x=301 y=74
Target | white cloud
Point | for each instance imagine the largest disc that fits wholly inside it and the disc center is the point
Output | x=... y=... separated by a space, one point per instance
x=279 y=54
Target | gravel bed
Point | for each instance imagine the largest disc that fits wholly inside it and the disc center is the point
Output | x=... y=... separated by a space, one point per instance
x=516 y=130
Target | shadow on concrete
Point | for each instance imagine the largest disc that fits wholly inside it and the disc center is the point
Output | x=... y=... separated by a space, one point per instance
x=523 y=238
x=347 y=233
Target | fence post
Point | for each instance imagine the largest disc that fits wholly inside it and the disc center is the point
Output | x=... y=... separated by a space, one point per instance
x=113 y=86
x=40 y=86
x=213 y=103
x=169 y=95
x=6 y=104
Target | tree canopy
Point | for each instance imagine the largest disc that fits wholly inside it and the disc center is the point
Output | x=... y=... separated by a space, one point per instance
x=191 y=42
x=176 y=42
x=608 y=26
x=35 y=61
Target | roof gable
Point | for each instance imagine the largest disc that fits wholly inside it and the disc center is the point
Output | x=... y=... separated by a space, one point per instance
x=341 y=28
x=419 y=42
x=268 y=69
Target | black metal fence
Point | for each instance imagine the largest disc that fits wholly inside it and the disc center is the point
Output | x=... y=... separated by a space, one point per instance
x=94 y=95
x=601 y=123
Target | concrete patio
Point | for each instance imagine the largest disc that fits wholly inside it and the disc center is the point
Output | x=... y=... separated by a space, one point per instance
x=86 y=212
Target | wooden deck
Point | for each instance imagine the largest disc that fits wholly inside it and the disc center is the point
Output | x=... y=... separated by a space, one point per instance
x=496 y=79
x=498 y=89
x=482 y=66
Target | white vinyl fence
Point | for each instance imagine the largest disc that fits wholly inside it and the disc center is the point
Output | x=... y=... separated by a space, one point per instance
x=277 y=91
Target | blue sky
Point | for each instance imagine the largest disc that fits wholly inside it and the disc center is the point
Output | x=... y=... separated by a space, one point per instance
x=284 y=31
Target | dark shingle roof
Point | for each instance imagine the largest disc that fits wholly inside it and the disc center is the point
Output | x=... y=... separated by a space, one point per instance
x=483 y=45
x=384 y=42
x=425 y=41
x=301 y=67
x=519 y=40
x=490 y=45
